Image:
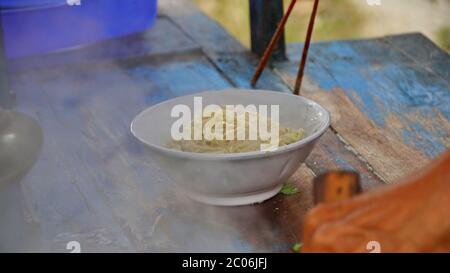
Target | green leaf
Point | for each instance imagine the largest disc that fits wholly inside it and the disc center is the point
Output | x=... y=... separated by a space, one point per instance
x=297 y=247
x=289 y=189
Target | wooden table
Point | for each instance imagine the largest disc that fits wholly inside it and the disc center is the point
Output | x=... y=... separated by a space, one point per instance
x=93 y=183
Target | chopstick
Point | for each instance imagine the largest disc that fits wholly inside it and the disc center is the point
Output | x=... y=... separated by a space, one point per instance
x=301 y=70
x=265 y=58
x=276 y=36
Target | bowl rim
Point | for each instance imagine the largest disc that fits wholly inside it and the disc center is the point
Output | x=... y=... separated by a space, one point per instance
x=236 y=156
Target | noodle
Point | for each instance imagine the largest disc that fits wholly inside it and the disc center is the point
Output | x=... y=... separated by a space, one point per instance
x=286 y=136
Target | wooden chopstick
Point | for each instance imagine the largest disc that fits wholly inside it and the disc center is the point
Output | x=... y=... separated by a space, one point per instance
x=273 y=41
x=301 y=70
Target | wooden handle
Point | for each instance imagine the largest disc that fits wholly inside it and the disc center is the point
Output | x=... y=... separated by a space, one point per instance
x=335 y=186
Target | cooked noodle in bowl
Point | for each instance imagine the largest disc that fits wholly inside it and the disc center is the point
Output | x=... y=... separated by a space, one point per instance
x=230 y=127
x=232 y=172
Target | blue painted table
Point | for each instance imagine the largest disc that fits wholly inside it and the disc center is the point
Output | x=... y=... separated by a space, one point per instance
x=92 y=183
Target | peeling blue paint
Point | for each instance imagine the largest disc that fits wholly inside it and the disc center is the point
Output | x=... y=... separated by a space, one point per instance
x=382 y=82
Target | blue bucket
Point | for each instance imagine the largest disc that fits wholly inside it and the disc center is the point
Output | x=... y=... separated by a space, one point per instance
x=32 y=27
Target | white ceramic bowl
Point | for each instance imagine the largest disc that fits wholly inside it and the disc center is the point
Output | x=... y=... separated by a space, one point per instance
x=239 y=178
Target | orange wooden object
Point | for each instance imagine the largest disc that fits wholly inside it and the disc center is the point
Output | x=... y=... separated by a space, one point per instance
x=411 y=216
x=336 y=186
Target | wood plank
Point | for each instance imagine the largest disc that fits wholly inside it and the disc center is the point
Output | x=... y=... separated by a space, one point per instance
x=331 y=153
x=64 y=189
x=75 y=210
x=418 y=47
x=57 y=204
x=392 y=111
x=383 y=84
x=93 y=182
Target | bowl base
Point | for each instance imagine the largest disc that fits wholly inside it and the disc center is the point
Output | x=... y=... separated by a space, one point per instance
x=235 y=200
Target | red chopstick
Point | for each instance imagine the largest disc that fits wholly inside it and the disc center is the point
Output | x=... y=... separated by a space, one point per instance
x=301 y=70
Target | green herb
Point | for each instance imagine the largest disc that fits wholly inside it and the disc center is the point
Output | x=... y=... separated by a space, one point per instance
x=297 y=247
x=289 y=189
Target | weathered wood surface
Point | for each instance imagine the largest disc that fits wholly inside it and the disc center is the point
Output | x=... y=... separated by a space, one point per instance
x=389 y=97
x=93 y=183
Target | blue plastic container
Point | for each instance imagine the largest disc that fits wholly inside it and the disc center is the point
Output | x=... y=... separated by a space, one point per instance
x=41 y=26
